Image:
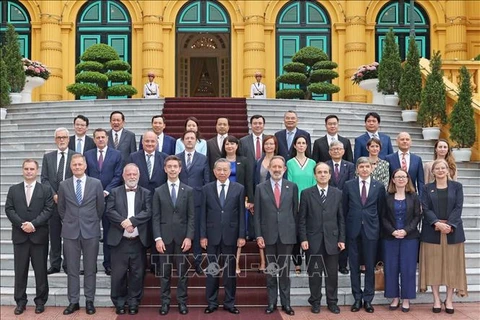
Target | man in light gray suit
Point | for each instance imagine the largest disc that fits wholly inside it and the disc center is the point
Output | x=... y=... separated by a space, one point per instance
x=275 y=219
x=80 y=205
x=55 y=169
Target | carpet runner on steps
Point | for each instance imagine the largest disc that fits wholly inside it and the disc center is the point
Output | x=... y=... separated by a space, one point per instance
x=206 y=110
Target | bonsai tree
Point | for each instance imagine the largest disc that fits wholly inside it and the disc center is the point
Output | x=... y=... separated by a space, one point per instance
x=101 y=65
x=13 y=60
x=462 y=123
x=311 y=70
x=432 y=106
x=410 y=88
x=390 y=68
x=4 y=87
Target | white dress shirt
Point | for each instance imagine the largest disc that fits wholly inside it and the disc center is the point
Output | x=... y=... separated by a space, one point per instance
x=119 y=132
x=219 y=187
x=82 y=143
x=367 y=184
x=325 y=190
x=160 y=141
x=220 y=140
x=59 y=156
x=84 y=180
x=131 y=213
x=407 y=158
x=104 y=153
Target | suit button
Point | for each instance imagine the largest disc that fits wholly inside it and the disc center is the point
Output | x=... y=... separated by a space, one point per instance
x=223 y=211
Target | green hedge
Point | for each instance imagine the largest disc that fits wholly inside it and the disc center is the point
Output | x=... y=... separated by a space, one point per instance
x=119 y=76
x=295 y=67
x=91 y=76
x=292 y=78
x=119 y=65
x=88 y=66
x=290 y=94
x=323 y=87
x=323 y=75
x=84 y=89
x=121 y=90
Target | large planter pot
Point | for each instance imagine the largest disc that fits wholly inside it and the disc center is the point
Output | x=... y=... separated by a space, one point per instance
x=462 y=154
x=15 y=97
x=3 y=113
x=391 y=99
x=371 y=85
x=431 y=133
x=30 y=84
x=409 y=115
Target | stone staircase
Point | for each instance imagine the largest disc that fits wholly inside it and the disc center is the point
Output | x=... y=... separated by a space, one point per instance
x=29 y=130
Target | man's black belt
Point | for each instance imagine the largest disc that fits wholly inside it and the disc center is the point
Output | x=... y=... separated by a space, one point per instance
x=151 y=94
x=258 y=94
x=131 y=238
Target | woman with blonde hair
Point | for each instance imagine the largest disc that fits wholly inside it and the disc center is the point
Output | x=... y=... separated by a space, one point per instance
x=441 y=150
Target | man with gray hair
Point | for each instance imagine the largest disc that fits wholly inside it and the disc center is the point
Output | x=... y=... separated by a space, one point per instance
x=55 y=169
x=287 y=136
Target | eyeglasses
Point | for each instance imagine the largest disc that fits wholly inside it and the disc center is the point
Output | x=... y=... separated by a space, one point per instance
x=336 y=149
x=401 y=177
x=62 y=137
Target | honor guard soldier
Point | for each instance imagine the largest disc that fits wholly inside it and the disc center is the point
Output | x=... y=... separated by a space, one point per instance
x=151 y=90
x=258 y=89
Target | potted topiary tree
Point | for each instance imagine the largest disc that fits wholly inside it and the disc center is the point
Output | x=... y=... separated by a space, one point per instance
x=4 y=88
x=100 y=68
x=311 y=70
x=13 y=64
x=390 y=70
x=432 y=111
x=462 y=123
x=410 y=88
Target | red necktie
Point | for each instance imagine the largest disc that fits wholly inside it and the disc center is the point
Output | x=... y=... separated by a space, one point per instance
x=276 y=193
x=404 y=162
x=258 y=152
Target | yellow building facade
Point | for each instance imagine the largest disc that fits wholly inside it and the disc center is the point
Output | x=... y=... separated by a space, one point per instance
x=199 y=45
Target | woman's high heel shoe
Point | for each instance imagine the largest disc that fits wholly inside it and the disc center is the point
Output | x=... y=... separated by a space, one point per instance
x=447 y=310
x=437 y=310
x=392 y=307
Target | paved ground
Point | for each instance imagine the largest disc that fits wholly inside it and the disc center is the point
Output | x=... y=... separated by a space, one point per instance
x=463 y=311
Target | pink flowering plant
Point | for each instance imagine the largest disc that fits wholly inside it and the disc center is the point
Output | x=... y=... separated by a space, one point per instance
x=35 y=69
x=365 y=72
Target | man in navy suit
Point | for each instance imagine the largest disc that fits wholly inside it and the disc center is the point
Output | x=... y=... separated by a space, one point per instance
x=80 y=142
x=321 y=146
x=342 y=171
x=165 y=143
x=195 y=173
x=105 y=164
x=222 y=230
x=29 y=205
x=215 y=144
x=120 y=138
x=363 y=202
x=286 y=137
x=372 y=123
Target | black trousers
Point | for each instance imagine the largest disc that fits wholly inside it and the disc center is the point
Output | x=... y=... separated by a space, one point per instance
x=278 y=258
x=128 y=271
x=174 y=254
x=221 y=258
x=23 y=253
x=55 y=230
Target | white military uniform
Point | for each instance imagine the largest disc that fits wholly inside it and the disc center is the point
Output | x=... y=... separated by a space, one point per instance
x=258 y=91
x=151 y=90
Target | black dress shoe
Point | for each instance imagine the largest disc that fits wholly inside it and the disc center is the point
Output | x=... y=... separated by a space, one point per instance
x=356 y=306
x=391 y=308
x=270 y=308
x=368 y=307
x=288 y=310
x=132 y=310
x=53 y=270
x=315 y=309
x=108 y=271
x=333 y=307
x=182 y=308
x=19 y=309
x=72 y=307
x=89 y=307
x=65 y=269
x=39 y=308
x=343 y=270
x=164 y=309
x=233 y=310
x=209 y=310
x=119 y=310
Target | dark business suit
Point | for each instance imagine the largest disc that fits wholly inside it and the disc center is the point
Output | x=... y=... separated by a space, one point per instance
x=168 y=146
x=128 y=255
x=89 y=143
x=248 y=148
x=159 y=176
x=126 y=145
x=415 y=169
x=363 y=230
x=321 y=148
x=213 y=154
x=196 y=177
x=173 y=222
x=361 y=146
x=81 y=233
x=111 y=177
x=244 y=176
x=283 y=146
x=322 y=225
x=30 y=246
x=49 y=178
x=222 y=227
x=278 y=228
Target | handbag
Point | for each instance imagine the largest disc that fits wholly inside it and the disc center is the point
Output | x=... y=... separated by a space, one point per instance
x=379 y=277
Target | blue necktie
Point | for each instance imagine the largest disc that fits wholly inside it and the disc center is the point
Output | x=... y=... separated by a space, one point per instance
x=289 y=139
x=174 y=194
x=222 y=195
x=79 y=146
x=78 y=191
x=149 y=165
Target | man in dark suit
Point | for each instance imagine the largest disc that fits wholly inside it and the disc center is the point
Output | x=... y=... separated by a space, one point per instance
x=408 y=161
x=322 y=235
x=363 y=201
x=251 y=145
x=173 y=230
x=80 y=142
x=275 y=219
x=105 y=164
x=55 y=169
x=165 y=143
x=286 y=137
x=215 y=144
x=321 y=146
x=120 y=138
x=81 y=204
x=195 y=173
x=372 y=123
x=222 y=230
x=129 y=211
x=342 y=172
x=29 y=205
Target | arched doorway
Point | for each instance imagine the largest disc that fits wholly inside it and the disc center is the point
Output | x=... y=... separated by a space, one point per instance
x=14 y=13
x=203 y=50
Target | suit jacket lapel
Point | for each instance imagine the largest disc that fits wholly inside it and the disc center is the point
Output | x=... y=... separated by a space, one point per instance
x=372 y=192
x=316 y=196
x=138 y=201
x=269 y=188
x=285 y=190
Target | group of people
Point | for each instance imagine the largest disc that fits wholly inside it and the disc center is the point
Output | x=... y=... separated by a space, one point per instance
x=344 y=210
